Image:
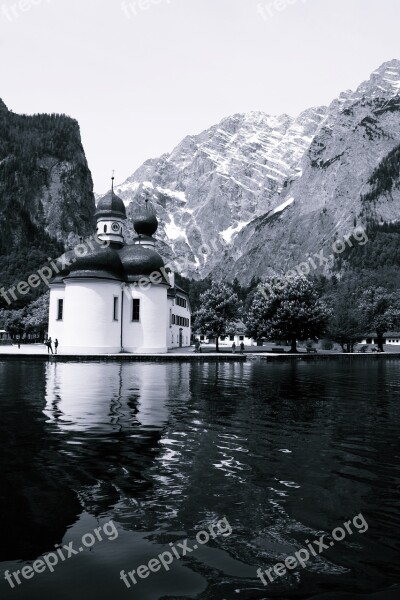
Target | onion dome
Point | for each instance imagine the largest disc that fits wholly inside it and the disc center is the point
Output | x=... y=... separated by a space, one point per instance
x=145 y=222
x=99 y=263
x=64 y=264
x=111 y=206
x=139 y=261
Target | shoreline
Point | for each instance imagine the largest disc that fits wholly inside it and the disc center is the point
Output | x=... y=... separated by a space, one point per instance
x=196 y=357
x=222 y=357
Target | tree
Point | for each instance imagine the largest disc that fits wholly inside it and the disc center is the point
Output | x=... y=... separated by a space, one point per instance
x=32 y=318
x=345 y=327
x=219 y=305
x=15 y=323
x=380 y=311
x=293 y=312
x=37 y=317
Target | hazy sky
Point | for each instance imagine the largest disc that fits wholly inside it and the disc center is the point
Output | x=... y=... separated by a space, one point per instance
x=140 y=75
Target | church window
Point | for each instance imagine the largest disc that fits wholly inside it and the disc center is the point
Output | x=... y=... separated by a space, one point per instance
x=60 y=310
x=135 y=309
x=115 y=308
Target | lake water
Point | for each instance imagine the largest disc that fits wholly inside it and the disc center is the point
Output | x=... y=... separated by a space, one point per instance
x=283 y=453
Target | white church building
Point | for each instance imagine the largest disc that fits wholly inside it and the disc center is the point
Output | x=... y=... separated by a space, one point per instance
x=118 y=297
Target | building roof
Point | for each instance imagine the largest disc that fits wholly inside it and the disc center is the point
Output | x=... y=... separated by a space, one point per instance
x=139 y=261
x=101 y=262
x=145 y=222
x=111 y=206
x=172 y=292
x=128 y=263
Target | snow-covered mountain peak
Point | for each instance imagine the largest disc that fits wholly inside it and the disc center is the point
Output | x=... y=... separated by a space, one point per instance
x=385 y=81
x=213 y=184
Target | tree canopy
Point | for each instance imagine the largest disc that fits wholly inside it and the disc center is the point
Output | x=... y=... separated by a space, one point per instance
x=292 y=312
x=219 y=305
x=380 y=311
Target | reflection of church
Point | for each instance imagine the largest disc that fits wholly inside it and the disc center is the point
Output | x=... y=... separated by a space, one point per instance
x=118 y=297
x=111 y=429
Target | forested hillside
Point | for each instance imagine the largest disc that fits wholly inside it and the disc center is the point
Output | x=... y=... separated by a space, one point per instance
x=46 y=193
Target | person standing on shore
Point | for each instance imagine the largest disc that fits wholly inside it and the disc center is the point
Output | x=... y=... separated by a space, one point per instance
x=49 y=346
x=233 y=348
x=56 y=345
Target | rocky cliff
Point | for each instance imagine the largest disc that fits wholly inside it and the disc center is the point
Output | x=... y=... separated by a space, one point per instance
x=350 y=177
x=46 y=191
x=255 y=194
x=213 y=184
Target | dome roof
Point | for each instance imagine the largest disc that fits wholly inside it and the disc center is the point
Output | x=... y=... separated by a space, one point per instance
x=99 y=262
x=139 y=261
x=111 y=206
x=145 y=223
x=67 y=259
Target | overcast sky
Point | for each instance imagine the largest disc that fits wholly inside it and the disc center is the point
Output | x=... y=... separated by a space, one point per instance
x=140 y=75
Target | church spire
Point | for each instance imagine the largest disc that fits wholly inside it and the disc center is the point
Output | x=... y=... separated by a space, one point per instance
x=111 y=217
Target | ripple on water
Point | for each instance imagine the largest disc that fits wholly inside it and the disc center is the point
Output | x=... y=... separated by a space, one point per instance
x=284 y=452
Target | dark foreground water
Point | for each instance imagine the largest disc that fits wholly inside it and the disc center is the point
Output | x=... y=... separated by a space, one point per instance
x=282 y=453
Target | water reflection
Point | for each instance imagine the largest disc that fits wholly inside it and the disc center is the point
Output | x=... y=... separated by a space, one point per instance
x=285 y=452
x=109 y=419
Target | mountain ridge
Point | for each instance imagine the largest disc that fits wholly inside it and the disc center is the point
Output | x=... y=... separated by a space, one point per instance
x=213 y=188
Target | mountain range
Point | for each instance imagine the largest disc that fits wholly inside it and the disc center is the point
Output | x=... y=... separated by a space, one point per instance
x=257 y=194
x=251 y=196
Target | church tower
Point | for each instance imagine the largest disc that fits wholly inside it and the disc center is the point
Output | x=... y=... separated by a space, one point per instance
x=146 y=289
x=111 y=218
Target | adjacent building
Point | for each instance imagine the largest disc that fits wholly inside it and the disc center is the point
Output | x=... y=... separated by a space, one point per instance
x=236 y=332
x=392 y=338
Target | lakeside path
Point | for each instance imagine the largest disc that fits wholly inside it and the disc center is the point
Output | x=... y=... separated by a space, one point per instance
x=40 y=352
x=208 y=354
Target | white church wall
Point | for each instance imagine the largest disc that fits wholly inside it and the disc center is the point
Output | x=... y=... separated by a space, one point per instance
x=148 y=334
x=89 y=325
x=56 y=326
